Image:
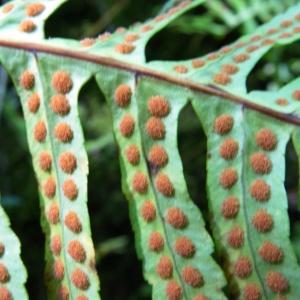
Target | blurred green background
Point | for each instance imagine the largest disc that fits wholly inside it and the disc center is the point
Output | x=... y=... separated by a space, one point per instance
x=200 y=32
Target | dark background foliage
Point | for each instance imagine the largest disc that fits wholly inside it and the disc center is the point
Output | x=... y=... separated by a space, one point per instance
x=119 y=269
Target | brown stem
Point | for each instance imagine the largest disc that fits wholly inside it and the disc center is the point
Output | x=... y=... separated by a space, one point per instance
x=142 y=71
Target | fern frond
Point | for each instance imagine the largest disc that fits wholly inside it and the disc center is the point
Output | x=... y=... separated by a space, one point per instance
x=246 y=169
x=12 y=271
x=170 y=232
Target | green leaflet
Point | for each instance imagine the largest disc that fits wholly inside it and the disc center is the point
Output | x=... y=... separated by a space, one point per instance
x=157 y=191
x=13 y=272
x=24 y=21
x=250 y=220
x=229 y=66
x=56 y=144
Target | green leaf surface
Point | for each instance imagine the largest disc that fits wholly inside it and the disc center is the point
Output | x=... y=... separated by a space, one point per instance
x=12 y=270
x=245 y=227
x=132 y=174
x=62 y=174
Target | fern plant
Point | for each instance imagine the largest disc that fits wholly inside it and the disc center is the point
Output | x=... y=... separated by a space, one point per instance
x=249 y=255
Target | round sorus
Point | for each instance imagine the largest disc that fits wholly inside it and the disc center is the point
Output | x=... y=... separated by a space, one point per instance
x=184 y=247
x=123 y=95
x=70 y=189
x=228 y=178
x=72 y=222
x=213 y=56
x=243 y=267
x=77 y=251
x=5 y=294
x=62 y=82
x=67 y=162
x=266 y=139
x=198 y=63
x=155 y=128
x=45 y=161
x=236 y=237
x=104 y=36
x=53 y=214
x=262 y=221
x=251 y=292
x=272 y=31
x=296 y=95
x=63 y=132
x=40 y=131
x=240 y=44
x=268 y=42
x=124 y=48
x=140 y=182
x=132 y=37
x=192 y=277
x=80 y=279
x=230 y=207
x=49 y=188
x=156 y=242
x=159 y=18
x=260 y=190
x=229 y=149
x=223 y=124
x=225 y=49
x=27 y=80
x=2 y=249
x=173 y=291
x=60 y=105
x=127 y=125
x=148 y=211
x=277 y=282
x=81 y=297
x=34 y=9
x=270 y=253
x=286 y=23
x=58 y=269
x=241 y=58
x=27 y=26
x=158 y=106
x=146 y=28
x=200 y=297
x=164 y=185
x=55 y=244
x=222 y=78
x=164 y=268
x=282 y=102
x=33 y=103
x=63 y=293
x=158 y=156
x=181 y=69
x=296 y=29
x=4 y=275
x=260 y=163
x=133 y=154
x=285 y=35
x=7 y=8
x=256 y=38
x=252 y=48
x=87 y=42
x=229 y=68
x=176 y=218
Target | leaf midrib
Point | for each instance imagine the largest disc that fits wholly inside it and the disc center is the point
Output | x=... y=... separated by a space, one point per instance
x=148 y=72
x=61 y=202
x=244 y=206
